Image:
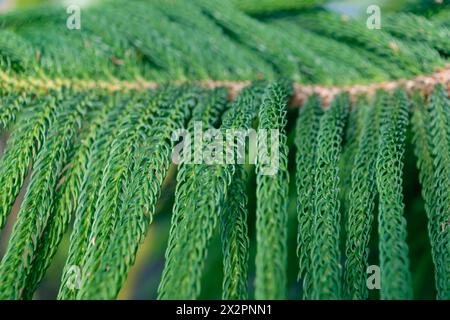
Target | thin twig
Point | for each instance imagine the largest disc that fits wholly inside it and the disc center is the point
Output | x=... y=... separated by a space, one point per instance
x=423 y=83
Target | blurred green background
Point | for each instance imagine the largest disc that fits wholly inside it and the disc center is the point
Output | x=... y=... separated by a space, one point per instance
x=351 y=7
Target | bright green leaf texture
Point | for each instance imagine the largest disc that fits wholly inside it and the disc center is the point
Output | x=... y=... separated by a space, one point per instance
x=166 y=40
x=128 y=169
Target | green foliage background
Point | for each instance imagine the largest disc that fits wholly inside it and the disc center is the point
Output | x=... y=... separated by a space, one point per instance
x=255 y=40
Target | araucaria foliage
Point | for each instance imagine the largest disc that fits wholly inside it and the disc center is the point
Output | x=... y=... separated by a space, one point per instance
x=234 y=149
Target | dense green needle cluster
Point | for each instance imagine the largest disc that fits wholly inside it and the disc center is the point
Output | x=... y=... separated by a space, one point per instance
x=110 y=137
x=94 y=155
x=104 y=159
x=240 y=40
x=361 y=201
x=394 y=260
x=431 y=127
x=39 y=201
x=272 y=184
x=325 y=256
x=306 y=144
x=22 y=149
x=196 y=214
